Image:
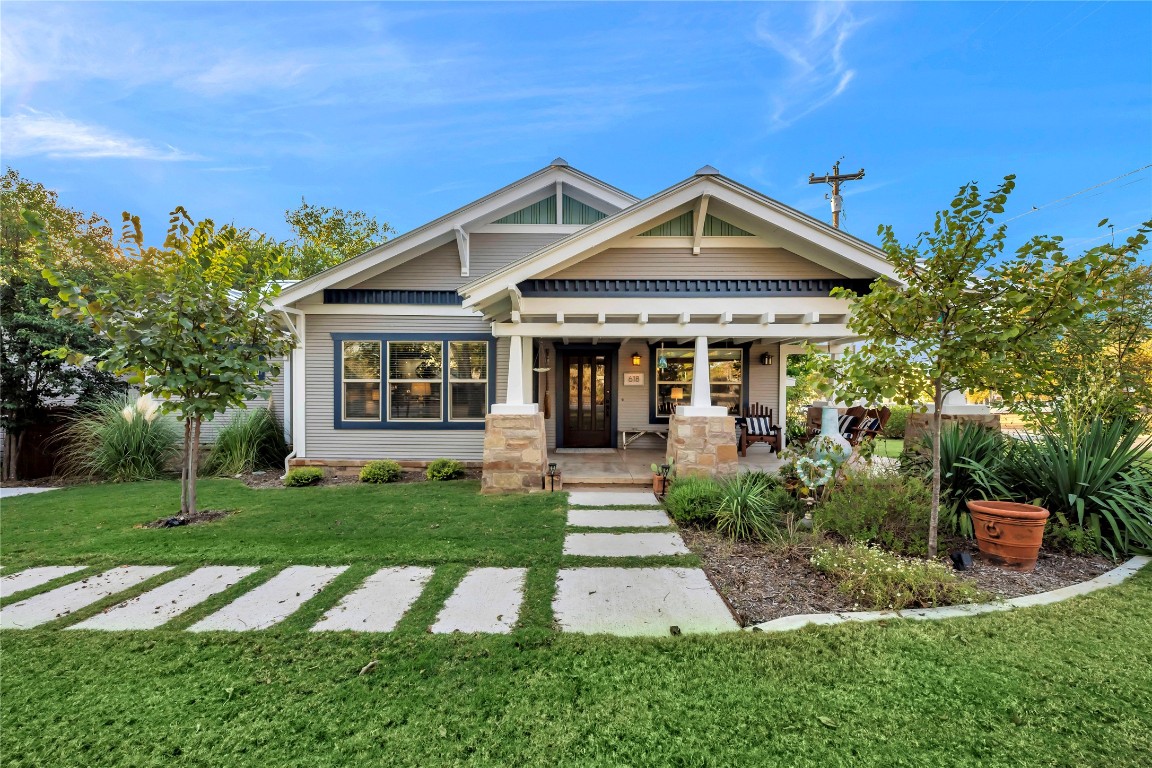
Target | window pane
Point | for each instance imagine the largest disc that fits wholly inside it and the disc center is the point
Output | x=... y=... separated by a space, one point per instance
x=362 y=400
x=362 y=360
x=727 y=395
x=469 y=401
x=725 y=370
x=415 y=360
x=678 y=365
x=414 y=400
x=468 y=360
x=668 y=396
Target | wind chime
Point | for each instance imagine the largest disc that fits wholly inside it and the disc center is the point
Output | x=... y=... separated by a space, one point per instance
x=545 y=368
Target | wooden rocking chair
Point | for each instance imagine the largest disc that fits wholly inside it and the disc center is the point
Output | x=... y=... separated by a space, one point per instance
x=869 y=423
x=756 y=426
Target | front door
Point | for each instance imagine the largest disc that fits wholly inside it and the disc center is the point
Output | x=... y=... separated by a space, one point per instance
x=587 y=388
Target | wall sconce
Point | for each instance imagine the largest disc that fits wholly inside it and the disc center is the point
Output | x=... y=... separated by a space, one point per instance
x=635 y=358
x=767 y=359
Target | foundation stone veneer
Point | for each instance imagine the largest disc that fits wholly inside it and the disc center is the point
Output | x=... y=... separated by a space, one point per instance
x=515 y=453
x=703 y=445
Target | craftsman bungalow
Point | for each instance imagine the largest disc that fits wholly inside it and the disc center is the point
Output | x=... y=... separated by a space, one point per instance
x=562 y=313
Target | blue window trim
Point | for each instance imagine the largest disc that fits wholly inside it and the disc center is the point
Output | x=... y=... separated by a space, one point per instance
x=655 y=418
x=338 y=421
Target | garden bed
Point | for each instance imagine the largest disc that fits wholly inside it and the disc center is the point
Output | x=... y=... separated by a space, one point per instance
x=272 y=478
x=762 y=582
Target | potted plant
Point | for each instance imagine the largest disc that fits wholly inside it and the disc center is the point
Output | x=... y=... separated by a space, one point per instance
x=1008 y=533
x=661 y=477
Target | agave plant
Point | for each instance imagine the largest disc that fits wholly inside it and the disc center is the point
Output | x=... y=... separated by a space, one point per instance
x=1096 y=477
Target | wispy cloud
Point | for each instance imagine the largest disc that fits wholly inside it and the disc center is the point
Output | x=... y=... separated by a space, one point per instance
x=32 y=133
x=813 y=46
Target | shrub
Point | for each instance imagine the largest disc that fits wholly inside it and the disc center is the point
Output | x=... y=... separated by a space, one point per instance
x=693 y=500
x=888 y=510
x=121 y=439
x=879 y=580
x=745 y=509
x=302 y=476
x=897 y=421
x=382 y=471
x=444 y=469
x=252 y=440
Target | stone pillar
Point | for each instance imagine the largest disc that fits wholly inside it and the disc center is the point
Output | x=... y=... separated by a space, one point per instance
x=703 y=445
x=515 y=452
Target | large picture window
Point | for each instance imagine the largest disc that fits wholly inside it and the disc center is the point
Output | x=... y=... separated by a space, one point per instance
x=415 y=380
x=673 y=378
x=361 y=380
x=467 y=380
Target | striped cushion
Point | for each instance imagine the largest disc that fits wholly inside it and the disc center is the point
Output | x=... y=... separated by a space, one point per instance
x=846 y=422
x=760 y=425
x=871 y=425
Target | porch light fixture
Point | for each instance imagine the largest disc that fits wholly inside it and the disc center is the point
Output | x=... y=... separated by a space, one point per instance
x=767 y=359
x=635 y=358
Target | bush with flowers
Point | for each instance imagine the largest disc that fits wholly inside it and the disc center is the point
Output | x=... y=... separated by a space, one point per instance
x=879 y=580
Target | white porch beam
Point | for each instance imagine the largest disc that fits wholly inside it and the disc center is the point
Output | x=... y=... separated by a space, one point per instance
x=768 y=318
x=462 y=246
x=643 y=318
x=817 y=333
x=601 y=319
x=560 y=318
x=701 y=215
x=811 y=317
x=773 y=306
x=725 y=318
x=685 y=318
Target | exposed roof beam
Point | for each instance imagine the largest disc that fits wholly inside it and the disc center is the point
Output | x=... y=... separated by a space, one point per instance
x=643 y=318
x=725 y=318
x=811 y=317
x=768 y=318
x=515 y=317
x=559 y=318
x=462 y=246
x=701 y=213
x=685 y=318
x=601 y=319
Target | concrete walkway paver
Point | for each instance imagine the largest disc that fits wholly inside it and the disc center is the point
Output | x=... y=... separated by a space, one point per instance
x=159 y=606
x=379 y=603
x=639 y=601
x=48 y=606
x=486 y=600
x=618 y=518
x=7 y=493
x=271 y=602
x=612 y=499
x=34 y=577
x=624 y=544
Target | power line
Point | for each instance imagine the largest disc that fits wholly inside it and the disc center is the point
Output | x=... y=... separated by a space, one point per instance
x=1074 y=194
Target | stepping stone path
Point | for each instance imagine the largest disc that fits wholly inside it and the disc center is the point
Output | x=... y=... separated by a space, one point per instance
x=379 y=603
x=271 y=602
x=166 y=602
x=34 y=577
x=632 y=601
x=486 y=600
x=48 y=606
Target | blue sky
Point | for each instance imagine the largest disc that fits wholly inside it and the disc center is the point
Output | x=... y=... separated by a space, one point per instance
x=410 y=110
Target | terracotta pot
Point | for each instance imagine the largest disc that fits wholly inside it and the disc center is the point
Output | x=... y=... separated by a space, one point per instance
x=1009 y=534
x=657 y=484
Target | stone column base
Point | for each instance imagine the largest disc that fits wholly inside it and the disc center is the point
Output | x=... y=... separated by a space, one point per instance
x=515 y=453
x=703 y=445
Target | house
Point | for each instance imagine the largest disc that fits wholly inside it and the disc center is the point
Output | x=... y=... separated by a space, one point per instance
x=562 y=313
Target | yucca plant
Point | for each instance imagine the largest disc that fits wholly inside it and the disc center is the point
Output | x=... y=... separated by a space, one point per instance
x=121 y=439
x=746 y=508
x=1095 y=477
x=252 y=440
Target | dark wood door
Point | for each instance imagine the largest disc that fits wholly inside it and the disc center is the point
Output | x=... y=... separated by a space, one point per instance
x=587 y=411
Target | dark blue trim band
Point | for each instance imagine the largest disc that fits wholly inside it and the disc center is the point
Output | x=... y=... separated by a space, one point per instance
x=685 y=288
x=388 y=296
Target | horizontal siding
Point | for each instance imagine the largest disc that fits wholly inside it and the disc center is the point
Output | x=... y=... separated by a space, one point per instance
x=323 y=441
x=439 y=268
x=679 y=263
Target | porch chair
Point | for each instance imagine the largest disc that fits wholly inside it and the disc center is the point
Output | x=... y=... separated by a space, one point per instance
x=869 y=424
x=756 y=426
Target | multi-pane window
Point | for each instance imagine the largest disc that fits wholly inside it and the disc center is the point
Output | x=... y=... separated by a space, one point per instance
x=415 y=380
x=467 y=380
x=674 y=379
x=361 y=380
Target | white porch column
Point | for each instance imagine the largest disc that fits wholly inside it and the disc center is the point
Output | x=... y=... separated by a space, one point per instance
x=298 y=357
x=514 y=402
x=701 y=385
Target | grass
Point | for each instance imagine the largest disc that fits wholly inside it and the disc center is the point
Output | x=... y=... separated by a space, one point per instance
x=888 y=447
x=426 y=524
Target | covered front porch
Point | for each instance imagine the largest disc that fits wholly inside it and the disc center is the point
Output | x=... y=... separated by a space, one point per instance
x=633 y=466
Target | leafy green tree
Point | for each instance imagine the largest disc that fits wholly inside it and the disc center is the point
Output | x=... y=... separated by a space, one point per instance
x=963 y=313
x=82 y=248
x=325 y=237
x=189 y=323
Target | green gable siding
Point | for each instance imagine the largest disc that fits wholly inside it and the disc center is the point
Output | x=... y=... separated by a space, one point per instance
x=714 y=227
x=543 y=212
x=681 y=226
x=576 y=212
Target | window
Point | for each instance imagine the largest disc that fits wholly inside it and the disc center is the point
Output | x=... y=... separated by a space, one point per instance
x=674 y=379
x=415 y=380
x=467 y=380
x=361 y=380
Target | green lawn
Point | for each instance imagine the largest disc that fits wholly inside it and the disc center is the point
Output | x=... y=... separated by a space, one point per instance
x=888 y=447
x=1065 y=685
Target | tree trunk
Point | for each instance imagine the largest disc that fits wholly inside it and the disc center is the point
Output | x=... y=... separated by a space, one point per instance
x=11 y=455
x=937 y=421
x=184 y=459
x=194 y=468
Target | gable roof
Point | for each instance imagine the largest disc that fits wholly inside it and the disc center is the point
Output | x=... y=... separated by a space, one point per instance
x=441 y=230
x=809 y=237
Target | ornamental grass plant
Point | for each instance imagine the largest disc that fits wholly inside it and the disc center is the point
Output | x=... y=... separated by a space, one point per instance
x=122 y=439
x=253 y=440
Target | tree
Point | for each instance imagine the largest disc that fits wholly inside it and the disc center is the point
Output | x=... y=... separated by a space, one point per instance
x=82 y=248
x=962 y=314
x=325 y=237
x=189 y=323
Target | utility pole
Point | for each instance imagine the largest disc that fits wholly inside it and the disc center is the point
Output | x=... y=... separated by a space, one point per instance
x=835 y=179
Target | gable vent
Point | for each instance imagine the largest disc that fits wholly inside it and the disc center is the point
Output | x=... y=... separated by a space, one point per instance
x=682 y=226
x=543 y=212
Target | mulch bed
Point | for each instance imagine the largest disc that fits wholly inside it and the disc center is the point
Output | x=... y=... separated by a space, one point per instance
x=762 y=582
x=271 y=478
x=200 y=516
